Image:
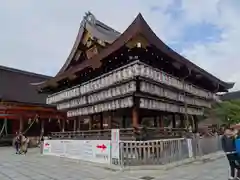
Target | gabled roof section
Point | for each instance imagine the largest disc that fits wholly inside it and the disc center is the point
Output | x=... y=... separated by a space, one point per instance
x=27 y=73
x=15 y=85
x=231 y=96
x=138 y=27
x=97 y=30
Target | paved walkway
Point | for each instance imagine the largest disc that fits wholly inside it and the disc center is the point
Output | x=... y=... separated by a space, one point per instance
x=36 y=167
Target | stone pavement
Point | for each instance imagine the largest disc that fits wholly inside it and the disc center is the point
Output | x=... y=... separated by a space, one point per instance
x=37 y=167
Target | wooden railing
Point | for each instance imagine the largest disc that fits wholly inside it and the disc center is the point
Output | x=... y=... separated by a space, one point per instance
x=125 y=134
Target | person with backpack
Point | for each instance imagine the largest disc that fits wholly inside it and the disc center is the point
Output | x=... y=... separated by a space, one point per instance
x=237 y=155
x=228 y=146
x=25 y=143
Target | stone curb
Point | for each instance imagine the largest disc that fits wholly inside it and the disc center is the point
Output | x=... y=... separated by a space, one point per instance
x=210 y=157
x=196 y=160
x=103 y=166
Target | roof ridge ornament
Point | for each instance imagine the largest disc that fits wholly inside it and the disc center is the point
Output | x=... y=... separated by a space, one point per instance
x=90 y=18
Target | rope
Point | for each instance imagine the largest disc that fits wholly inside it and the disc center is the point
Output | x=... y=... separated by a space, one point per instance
x=2 y=130
x=4 y=126
x=30 y=126
x=6 y=130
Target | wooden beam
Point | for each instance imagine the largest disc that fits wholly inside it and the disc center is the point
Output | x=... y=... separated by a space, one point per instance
x=31 y=115
x=9 y=117
x=32 y=109
x=40 y=113
x=21 y=106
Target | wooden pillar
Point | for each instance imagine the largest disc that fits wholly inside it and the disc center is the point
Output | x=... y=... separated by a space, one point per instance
x=155 y=121
x=182 y=123
x=124 y=118
x=79 y=123
x=90 y=122
x=101 y=120
x=190 y=123
x=21 y=125
x=195 y=123
x=110 y=118
x=160 y=121
x=135 y=117
x=75 y=124
x=42 y=127
x=173 y=121
x=63 y=125
x=186 y=116
x=15 y=126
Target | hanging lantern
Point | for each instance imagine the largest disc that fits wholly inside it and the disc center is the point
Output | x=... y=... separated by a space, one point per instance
x=67 y=121
x=37 y=120
x=29 y=121
x=49 y=120
x=58 y=121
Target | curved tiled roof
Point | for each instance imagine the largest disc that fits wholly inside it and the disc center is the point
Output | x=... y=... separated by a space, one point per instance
x=97 y=29
x=138 y=26
x=231 y=96
x=15 y=85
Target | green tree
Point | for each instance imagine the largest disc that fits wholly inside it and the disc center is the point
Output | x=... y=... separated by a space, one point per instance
x=227 y=111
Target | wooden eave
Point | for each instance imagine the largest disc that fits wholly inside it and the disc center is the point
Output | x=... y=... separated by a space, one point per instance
x=96 y=29
x=8 y=102
x=138 y=27
x=31 y=110
x=27 y=108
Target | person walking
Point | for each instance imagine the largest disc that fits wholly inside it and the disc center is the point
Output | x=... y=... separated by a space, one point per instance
x=41 y=144
x=17 y=143
x=228 y=146
x=237 y=155
x=25 y=142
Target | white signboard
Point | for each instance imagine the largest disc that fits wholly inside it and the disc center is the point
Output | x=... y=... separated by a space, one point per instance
x=102 y=151
x=92 y=150
x=46 y=147
x=115 y=137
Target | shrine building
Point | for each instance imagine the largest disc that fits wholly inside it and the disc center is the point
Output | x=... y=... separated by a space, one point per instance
x=123 y=80
x=22 y=109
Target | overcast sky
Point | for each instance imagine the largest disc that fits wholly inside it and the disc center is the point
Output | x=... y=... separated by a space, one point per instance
x=37 y=35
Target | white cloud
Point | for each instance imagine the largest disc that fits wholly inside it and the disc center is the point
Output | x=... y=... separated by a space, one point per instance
x=38 y=35
x=199 y=11
x=221 y=57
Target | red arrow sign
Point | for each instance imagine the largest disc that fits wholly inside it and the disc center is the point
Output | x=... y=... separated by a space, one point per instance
x=46 y=144
x=103 y=147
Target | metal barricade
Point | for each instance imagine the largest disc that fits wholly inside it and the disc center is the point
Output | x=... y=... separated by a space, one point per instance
x=158 y=152
x=207 y=145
